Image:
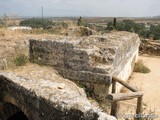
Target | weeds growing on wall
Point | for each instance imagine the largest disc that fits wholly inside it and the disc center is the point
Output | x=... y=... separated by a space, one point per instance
x=20 y=60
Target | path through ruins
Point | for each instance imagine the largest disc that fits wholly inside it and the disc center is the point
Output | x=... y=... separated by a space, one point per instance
x=149 y=83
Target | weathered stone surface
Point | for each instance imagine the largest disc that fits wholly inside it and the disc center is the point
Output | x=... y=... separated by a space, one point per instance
x=93 y=58
x=47 y=99
x=13 y=43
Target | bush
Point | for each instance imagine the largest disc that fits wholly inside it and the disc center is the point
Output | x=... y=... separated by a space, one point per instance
x=130 y=26
x=1 y=23
x=64 y=25
x=140 y=67
x=79 y=21
x=37 y=23
x=139 y=28
x=20 y=60
x=155 y=32
x=109 y=26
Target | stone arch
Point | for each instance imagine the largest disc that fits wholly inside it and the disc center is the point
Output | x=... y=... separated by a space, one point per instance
x=10 y=107
x=9 y=111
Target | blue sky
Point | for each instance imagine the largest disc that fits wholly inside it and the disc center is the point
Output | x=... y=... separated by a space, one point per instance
x=105 y=8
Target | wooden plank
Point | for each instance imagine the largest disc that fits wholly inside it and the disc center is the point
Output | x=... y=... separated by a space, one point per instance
x=124 y=96
x=125 y=84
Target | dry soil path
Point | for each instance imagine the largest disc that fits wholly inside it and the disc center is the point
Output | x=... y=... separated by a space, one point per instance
x=150 y=84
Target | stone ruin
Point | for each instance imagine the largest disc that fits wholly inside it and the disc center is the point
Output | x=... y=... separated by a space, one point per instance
x=92 y=60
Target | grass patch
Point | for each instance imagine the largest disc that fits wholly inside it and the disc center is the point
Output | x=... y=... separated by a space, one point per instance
x=141 y=67
x=20 y=60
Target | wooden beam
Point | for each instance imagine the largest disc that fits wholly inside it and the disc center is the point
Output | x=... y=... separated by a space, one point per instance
x=124 y=96
x=125 y=84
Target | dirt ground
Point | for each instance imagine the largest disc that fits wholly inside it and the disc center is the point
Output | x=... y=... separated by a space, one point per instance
x=150 y=84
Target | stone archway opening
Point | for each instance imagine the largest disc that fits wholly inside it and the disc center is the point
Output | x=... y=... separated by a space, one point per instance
x=18 y=116
x=11 y=112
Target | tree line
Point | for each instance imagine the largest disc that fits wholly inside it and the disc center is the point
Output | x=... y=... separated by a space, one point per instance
x=39 y=23
x=152 y=31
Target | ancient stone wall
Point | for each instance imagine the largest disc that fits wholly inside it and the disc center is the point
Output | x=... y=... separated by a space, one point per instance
x=94 y=59
x=36 y=100
x=71 y=63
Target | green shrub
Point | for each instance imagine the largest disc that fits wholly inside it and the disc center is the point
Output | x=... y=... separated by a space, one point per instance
x=128 y=25
x=37 y=23
x=1 y=23
x=20 y=60
x=79 y=21
x=155 y=32
x=140 y=67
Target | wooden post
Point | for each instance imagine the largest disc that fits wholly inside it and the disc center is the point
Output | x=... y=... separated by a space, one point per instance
x=114 y=108
x=115 y=97
x=114 y=105
x=113 y=86
x=139 y=107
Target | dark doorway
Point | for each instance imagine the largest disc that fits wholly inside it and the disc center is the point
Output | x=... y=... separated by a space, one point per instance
x=18 y=116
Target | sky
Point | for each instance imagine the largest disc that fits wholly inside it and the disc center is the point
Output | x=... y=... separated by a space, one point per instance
x=67 y=8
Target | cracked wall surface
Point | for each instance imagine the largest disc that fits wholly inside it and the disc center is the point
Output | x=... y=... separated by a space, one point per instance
x=47 y=100
x=46 y=92
x=94 y=58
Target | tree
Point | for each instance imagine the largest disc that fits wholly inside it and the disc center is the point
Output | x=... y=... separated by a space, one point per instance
x=79 y=22
x=139 y=28
x=115 y=23
x=112 y=25
x=155 y=32
x=109 y=26
x=121 y=26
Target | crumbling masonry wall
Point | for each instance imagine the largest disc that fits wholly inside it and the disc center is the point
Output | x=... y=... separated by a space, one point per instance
x=92 y=59
x=36 y=107
x=38 y=100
